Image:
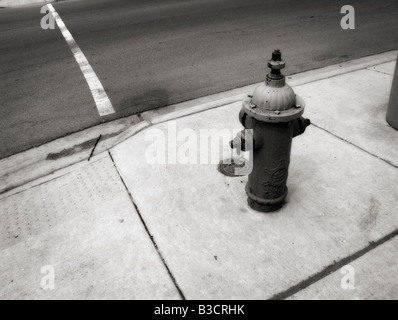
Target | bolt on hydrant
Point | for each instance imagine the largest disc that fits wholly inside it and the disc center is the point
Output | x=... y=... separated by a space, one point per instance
x=273 y=115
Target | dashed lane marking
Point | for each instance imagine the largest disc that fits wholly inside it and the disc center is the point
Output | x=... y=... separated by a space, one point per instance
x=101 y=99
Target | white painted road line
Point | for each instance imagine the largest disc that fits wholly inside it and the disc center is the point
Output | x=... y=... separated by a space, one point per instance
x=101 y=99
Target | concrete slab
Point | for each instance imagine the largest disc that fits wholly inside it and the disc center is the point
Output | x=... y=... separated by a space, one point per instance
x=373 y=276
x=340 y=199
x=353 y=107
x=83 y=229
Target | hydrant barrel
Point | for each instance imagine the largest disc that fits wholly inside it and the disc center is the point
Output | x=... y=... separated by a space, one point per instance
x=392 y=110
x=266 y=188
x=273 y=113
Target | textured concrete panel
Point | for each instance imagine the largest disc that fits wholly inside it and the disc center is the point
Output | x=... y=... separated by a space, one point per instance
x=85 y=227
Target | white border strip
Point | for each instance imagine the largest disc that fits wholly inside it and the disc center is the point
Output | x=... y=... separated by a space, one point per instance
x=101 y=99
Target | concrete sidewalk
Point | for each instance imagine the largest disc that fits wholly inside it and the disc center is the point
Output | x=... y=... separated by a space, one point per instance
x=119 y=226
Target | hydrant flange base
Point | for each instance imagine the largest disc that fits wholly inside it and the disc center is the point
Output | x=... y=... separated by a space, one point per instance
x=264 y=200
x=272 y=116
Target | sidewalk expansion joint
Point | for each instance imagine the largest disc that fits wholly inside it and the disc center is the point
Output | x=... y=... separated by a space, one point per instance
x=337 y=265
x=354 y=145
x=148 y=232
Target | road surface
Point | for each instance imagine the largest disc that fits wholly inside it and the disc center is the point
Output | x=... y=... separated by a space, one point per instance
x=148 y=54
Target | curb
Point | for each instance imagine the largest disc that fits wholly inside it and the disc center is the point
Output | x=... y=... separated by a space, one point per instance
x=50 y=157
x=22 y=168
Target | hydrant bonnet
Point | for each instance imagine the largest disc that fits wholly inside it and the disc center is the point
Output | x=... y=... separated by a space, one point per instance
x=274 y=100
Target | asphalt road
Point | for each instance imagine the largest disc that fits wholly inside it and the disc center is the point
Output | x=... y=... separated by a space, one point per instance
x=153 y=53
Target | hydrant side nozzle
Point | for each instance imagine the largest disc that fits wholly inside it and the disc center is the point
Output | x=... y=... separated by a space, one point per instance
x=244 y=141
x=300 y=125
x=234 y=144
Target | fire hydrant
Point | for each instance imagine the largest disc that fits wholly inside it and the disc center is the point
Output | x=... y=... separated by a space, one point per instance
x=273 y=113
